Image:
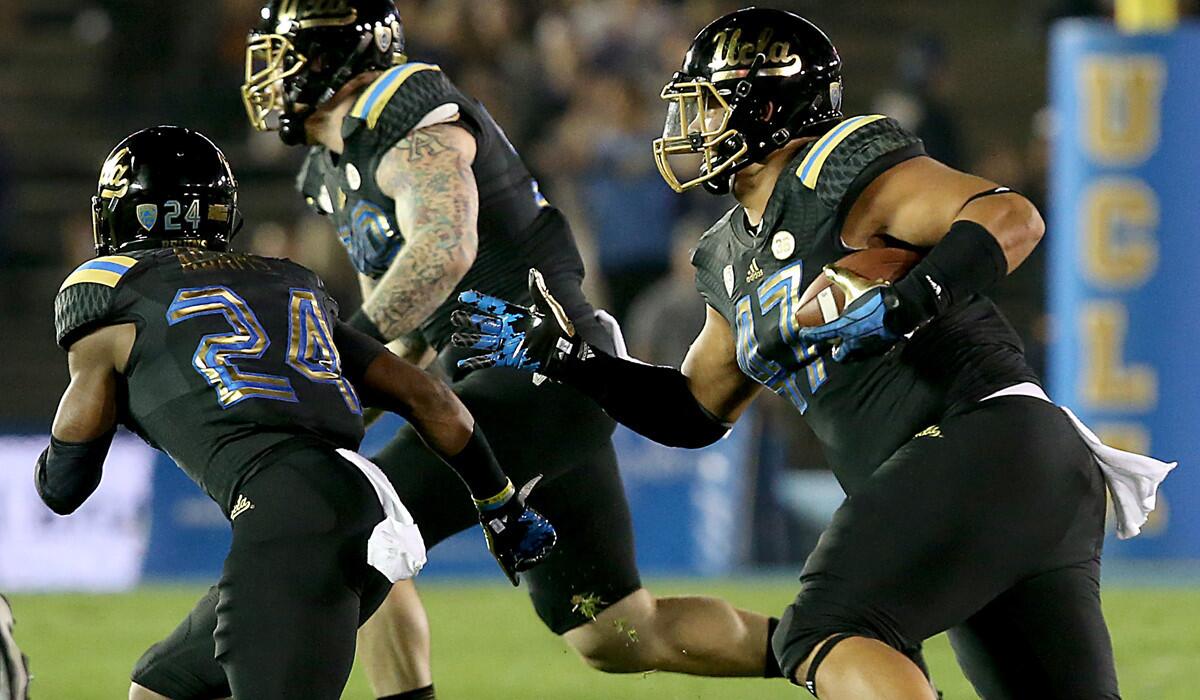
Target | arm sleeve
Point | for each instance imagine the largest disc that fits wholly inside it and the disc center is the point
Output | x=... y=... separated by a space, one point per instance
x=711 y=251
x=309 y=182
x=651 y=400
x=68 y=473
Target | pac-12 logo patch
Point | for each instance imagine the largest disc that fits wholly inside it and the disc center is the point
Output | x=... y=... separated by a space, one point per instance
x=147 y=215
x=783 y=245
x=728 y=274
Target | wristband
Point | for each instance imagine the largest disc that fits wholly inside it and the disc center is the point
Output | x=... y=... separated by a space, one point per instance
x=496 y=501
x=969 y=260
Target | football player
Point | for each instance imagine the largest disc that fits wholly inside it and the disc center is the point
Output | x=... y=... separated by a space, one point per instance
x=429 y=199
x=237 y=367
x=973 y=502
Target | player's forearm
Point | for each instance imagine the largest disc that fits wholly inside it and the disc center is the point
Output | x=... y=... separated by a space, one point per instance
x=422 y=277
x=652 y=400
x=439 y=417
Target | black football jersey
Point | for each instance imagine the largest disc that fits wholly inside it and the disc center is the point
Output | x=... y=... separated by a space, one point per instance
x=518 y=229
x=234 y=355
x=861 y=411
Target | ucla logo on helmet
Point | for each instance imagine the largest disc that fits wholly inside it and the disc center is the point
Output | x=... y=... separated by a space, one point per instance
x=731 y=52
x=147 y=215
x=113 y=181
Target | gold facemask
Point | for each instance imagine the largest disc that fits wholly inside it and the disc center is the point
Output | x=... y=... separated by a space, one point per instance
x=266 y=68
x=697 y=123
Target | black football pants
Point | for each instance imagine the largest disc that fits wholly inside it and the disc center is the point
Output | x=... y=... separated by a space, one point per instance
x=550 y=430
x=295 y=588
x=991 y=525
x=553 y=431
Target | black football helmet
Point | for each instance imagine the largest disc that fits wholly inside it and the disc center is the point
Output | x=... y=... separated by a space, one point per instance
x=162 y=187
x=304 y=51
x=751 y=81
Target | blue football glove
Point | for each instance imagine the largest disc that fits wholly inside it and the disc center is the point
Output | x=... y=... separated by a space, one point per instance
x=517 y=536
x=862 y=329
x=531 y=338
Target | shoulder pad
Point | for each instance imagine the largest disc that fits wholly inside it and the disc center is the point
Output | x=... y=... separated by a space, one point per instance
x=305 y=275
x=838 y=158
x=86 y=298
x=423 y=85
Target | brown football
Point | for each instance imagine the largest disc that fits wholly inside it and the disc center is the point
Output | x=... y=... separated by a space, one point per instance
x=824 y=301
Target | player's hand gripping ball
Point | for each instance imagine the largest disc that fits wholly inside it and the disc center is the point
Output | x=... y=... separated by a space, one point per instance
x=518 y=536
x=861 y=330
x=852 y=306
x=531 y=338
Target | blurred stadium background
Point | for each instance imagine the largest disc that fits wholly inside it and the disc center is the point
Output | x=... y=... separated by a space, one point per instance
x=1094 y=124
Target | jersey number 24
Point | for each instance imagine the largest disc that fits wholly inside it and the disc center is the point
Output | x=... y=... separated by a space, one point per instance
x=311 y=350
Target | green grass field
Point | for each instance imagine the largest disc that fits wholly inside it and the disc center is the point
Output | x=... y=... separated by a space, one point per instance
x=489 y=644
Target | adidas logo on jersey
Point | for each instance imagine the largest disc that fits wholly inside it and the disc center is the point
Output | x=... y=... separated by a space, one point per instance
x=937 y=288
x=242 y=505
x=755 y=272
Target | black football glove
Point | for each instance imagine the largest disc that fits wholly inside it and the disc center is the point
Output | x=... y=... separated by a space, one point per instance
x=537 y=339
x=517 y=536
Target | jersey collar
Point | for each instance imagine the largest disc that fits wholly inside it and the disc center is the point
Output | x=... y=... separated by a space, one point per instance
x=775 y=204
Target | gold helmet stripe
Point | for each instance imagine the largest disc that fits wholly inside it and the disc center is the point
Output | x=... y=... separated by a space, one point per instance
x=810 y=167
x=374 y=99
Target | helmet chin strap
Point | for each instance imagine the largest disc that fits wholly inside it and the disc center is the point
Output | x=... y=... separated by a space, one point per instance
x=719 y=186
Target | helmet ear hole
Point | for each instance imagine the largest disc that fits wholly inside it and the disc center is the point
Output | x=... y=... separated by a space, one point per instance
x=383 y=38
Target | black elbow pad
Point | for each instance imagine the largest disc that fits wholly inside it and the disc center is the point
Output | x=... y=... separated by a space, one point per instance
x=68 y=473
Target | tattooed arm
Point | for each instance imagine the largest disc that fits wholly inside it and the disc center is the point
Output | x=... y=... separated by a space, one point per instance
x=428 y=174
x=411 y=346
